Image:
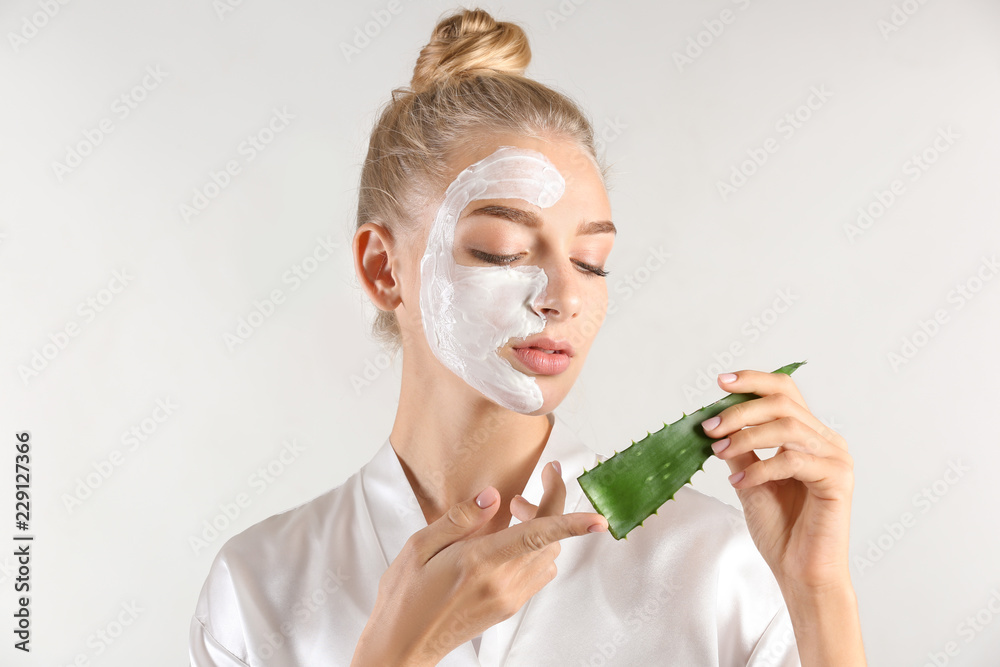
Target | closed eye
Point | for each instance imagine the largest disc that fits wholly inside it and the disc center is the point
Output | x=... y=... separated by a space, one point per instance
x=507 y=259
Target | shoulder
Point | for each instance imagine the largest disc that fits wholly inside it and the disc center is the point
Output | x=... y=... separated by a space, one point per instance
x=263 y=561
x=287 y=535
x=290 y=527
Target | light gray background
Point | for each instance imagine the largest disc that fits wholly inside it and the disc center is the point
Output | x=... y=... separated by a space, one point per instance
x=673 y=133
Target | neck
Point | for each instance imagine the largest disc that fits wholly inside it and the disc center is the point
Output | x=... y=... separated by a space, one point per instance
x=453 y=442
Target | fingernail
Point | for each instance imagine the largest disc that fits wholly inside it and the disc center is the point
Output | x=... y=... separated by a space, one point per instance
x=727 y=377
x=596 y=528
x=720 y=445
x=709 y=424
x=737 y=476
x=486 y=498
x=555 y=464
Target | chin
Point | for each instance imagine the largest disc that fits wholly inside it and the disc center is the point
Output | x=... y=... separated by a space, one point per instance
x=554 y=389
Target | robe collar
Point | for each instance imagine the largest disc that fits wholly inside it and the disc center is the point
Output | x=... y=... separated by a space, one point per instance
x=395 y=515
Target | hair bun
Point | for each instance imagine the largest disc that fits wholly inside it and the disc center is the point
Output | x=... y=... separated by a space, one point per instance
x=470 y=43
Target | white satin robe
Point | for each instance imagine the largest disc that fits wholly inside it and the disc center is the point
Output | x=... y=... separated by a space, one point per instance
x=687 y=588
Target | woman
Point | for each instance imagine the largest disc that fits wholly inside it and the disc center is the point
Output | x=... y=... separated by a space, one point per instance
x=483 y=230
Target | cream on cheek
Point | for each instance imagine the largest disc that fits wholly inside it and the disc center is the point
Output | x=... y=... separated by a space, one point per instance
x=469 y=312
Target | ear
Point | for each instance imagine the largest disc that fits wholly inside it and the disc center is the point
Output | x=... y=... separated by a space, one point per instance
x=376 y=265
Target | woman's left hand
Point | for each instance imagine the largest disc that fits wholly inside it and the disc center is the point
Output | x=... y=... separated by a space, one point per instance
x=797 y=503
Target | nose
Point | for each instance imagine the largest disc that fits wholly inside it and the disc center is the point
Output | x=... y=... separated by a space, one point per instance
x=561 y=300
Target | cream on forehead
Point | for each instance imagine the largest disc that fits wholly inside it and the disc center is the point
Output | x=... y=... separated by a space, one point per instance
x=469 y=312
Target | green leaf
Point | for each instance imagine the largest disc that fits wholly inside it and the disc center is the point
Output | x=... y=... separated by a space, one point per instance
x=635 y=482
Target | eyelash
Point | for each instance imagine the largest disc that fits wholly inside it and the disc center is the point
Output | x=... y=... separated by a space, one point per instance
x=506 y=259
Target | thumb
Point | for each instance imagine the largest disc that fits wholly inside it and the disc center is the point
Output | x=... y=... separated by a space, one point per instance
x=459 y=522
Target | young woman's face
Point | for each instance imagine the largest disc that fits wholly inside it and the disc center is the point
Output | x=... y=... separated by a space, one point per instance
x=569 y=241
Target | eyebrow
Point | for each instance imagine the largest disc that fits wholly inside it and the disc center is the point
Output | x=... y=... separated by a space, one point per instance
x=529 y=219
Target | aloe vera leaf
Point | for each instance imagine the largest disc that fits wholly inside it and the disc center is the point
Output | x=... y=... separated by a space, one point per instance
x=634 y=483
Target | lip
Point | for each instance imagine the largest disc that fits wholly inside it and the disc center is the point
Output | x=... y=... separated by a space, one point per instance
x=544 y=363
x=547 y=344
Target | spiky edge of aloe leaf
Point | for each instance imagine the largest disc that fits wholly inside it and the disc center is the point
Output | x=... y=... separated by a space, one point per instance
x=634 y=483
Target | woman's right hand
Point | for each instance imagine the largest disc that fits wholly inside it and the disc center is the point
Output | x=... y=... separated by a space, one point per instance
x=448 y=585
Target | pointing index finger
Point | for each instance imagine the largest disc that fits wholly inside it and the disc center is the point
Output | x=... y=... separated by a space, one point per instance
x=524 y=538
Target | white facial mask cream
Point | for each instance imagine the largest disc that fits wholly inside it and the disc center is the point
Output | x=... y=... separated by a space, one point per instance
x=469 y=312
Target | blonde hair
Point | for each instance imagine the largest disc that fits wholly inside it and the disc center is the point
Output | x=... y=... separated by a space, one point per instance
x=468 y=82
